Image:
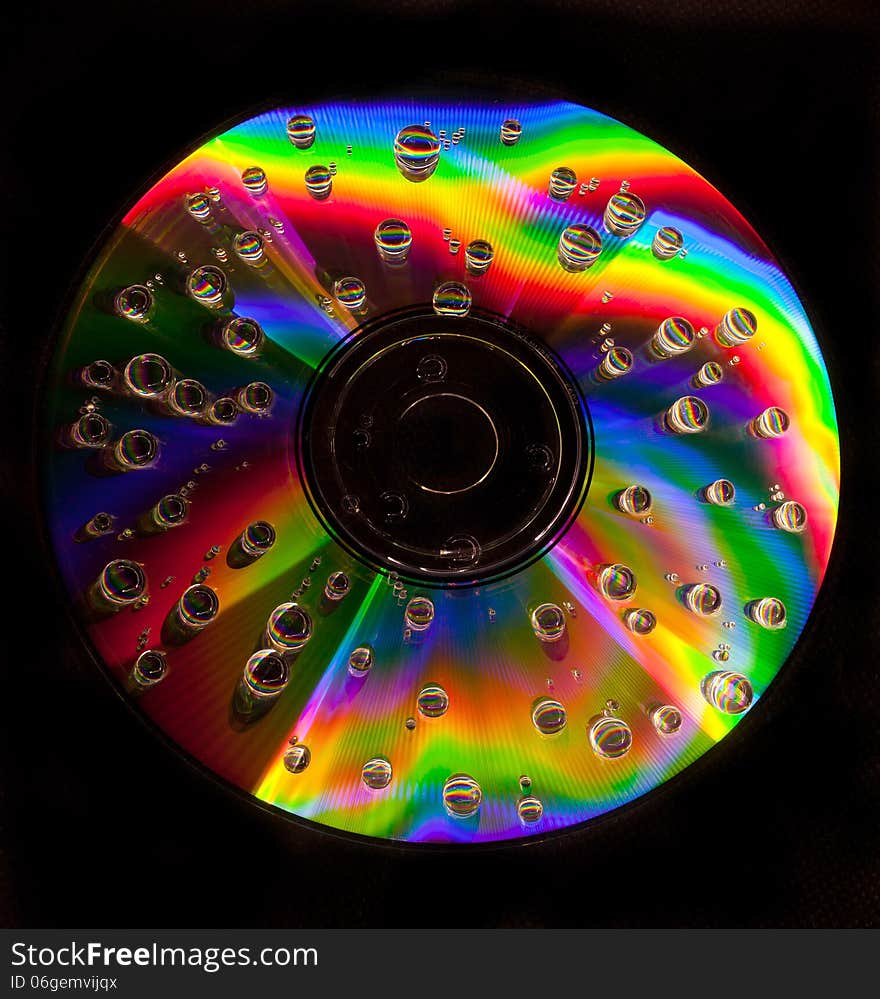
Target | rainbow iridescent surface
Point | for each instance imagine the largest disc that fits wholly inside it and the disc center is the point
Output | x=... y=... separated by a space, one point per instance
x=517 y=733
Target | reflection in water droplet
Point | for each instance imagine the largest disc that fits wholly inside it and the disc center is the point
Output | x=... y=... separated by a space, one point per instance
x=289 y=628
x=640 y=621
x=615 y=363
x=702 y=598
x=393 y=240
x=416 y=152
x=579 y=246
x=350 y=292
x=666 y=719
x=721 y=492
x=254 y=180
x=610 y=737
x=511 y=130
x=710 y=374
x=674 y=336
x=634 y=500
x=197 y=607
x=548 y=622
x=769 y=612
x=548 y=716
x=122 y=582
x=729 y=692
x=249 y=247
x=617 y=581
x=266 y=674
x=149 y=668
x=297 y=758
x=147 y=376
x=257 y=538
x=187 y=397
x=360 y=661
x=376 y=773
x=461 y=795
x=206 y=285
x=337 y=586
x=452 y=299
x=199 y=206
x=479 y=255
x=687 y=415
x=737 y=326
x=624 y=213
x=530 y=810
x=562 y=182
x=790 y=516
x=134 y=303
x=301 y=131
x=319 y=182
x=433 y=701
x=256 y=397
x=419 y=613
x=242 y=336
x=667 y=242
x=135 y=449
x=773 y=422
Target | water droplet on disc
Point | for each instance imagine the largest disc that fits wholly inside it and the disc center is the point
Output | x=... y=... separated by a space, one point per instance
x=461 y=795
x=579 y=246
x=687 y=415
x=617 y=582
x=376 y=773
x=549 y=716
x=452 y=299
x=548 y=622
x=730 y=692
x=610 y=737
x=433 y=701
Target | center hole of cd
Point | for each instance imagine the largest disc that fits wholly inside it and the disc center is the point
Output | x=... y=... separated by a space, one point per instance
x=447 y=443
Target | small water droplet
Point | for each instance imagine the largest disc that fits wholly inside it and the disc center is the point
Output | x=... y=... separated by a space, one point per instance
x=549 y=716
x=666 y=719
x=297 y=759
x=702 y=599
x=772 y=422
x=721 y=492
x=134 y=303
x=624 y=213
x=461 y=796
x=433 y=701
x=266 y=674
x=790 y=516
x=548 y=622
x=737 y=326
x=419 y=613
x=687 y=415
x=511 y=130
x=149 y=668
x=199 y=206
x=530 y=810
x=319 y=182
x=337 y=586
x=768 y=612
x=640 y=621
x=452 y=299
x=616 y=581
x=729 y=692
x=289 y=628
x=410 y=724
x=254 y=180
x=350 y=503
x=454 y=246
x=710 y=374
x=635 y=501
x=479 y=255
x=616 y=362
x=609 y=737
x=350 y=293
x=360 y=661
x=393 y=240
x=248 y=246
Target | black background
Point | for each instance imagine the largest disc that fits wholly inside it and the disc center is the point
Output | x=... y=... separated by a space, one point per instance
x=776 y=103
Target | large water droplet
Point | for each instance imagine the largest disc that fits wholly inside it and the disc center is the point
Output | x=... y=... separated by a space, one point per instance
x=393 y=239
x=337 y=586
x=242 y=336
x=255 y=397
x=149 y=668
x=122 y=582
x=667 y=243
x=319 y=182
x=433 y=701
x=616 y=581
x=730 y=692
x=579 y=246
x=90 y=430
x=199 y=206
x=170 y=511
x=710 y=374
x=350 y=293
x=266 y=674
x=624 y=213
x=615 y=363
x=721 y=492
x=197 y=607
x=478 y=256
x=254 y=180
x=297 y=758
x=673 y=336
x=257 y=538
x=461 y=795
x=549 y=716
x=737 y=326
x=773 y=422
x=206 y=285
x=147 y=376
x=702 y=598
x=376 y=773
x=640 y=621
x=769 y=612
x=419 y=613
x=548 y=622
x=530 y=810
x=563 y=181
x=610 y=737
x=687 y=415
x=452 y=299
x=635 y=501
x=360 y=661
x=416 y=152
x=134 y=303
x=289 y=628
x=511 y=130
x=187 y=397
x=135 y=449
x=790 y=516
x=301 y=131
x=249 y=247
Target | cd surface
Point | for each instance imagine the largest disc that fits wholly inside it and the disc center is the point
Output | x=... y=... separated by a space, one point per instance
x=439 y=471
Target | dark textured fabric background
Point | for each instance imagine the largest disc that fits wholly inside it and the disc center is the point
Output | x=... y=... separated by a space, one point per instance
x=774 y=102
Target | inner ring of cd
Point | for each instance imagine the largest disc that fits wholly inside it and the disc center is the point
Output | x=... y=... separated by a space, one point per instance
x=448 y=450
